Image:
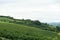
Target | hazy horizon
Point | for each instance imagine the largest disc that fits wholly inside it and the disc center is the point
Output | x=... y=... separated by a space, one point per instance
x=43 y=10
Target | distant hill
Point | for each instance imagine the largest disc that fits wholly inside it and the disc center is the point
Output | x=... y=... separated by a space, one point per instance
x=55 y=23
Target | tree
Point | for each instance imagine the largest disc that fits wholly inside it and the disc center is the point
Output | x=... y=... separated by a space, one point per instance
x=37 y=22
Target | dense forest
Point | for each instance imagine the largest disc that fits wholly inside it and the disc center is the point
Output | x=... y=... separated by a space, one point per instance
x=21 y=29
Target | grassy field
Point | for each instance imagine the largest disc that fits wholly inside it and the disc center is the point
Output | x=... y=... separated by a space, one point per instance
x=21 y=32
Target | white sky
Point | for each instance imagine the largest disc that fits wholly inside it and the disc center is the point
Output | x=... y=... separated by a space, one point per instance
x=43 y=10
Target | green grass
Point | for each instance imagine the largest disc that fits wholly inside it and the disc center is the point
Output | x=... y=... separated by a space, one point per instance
x=22 y=32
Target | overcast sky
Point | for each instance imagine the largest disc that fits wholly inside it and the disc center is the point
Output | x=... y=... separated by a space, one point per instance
x=43 y=10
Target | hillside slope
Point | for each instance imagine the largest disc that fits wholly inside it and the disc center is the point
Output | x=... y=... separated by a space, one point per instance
x=22 y=32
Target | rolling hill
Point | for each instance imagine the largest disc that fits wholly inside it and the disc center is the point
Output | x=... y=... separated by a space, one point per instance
x=20 y=29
